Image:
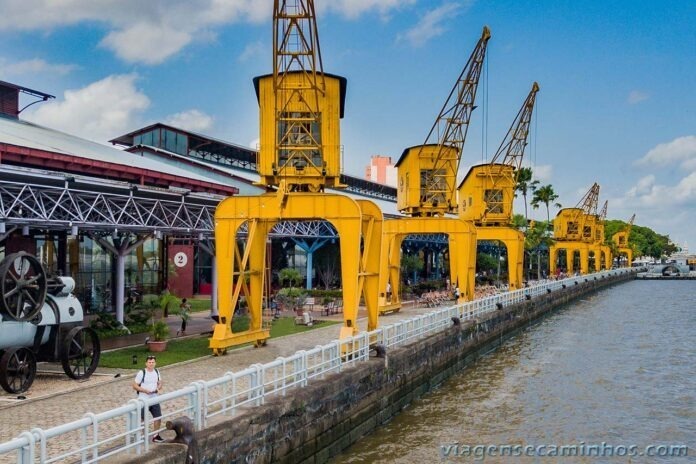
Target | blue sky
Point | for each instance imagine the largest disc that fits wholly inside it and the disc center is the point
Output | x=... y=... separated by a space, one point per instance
x=618 y=81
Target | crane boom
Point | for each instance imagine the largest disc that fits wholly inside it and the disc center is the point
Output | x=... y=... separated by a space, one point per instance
x=513 y=145
x=511 y=150
x=298 y=144
x=588 y=203
x=629 y=226
x=603 y=211
x=451 y=126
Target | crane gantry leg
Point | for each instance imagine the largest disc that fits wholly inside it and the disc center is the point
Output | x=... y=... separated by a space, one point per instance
x=241 y=270
x=513 y=240
x=462 y=251
x=368 y=278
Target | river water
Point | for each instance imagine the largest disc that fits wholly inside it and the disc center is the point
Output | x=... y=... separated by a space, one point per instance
x=615 y=369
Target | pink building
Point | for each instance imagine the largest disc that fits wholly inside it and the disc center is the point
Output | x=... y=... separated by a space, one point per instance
x=381 y=170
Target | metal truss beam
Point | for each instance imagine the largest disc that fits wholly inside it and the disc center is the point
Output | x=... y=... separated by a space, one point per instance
x=60 y=207
x=59 y=203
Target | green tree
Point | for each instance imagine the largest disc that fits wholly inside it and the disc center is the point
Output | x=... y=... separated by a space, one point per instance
x=524 y=185
x=536 y=239
x=486 y=263
x=411 y=263
x=519 y=222
x=290 y=275
x=643 y=240
x=545 y=195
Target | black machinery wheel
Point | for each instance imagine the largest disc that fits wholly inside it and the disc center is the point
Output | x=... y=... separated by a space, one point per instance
x=17 y=370
x=23 y=286
x=80 y=354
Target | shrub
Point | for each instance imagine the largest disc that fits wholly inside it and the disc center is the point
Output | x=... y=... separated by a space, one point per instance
x=138 y=314
x=333 y=294
x=290 y=298
x=159 y=331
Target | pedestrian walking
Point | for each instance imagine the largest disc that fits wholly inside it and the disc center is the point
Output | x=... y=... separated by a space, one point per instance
x=185 y=314
x=148 y=384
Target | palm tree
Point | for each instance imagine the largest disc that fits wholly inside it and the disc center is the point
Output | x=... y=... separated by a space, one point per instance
x=536 y=238
x=545 y=195
x=524 y=184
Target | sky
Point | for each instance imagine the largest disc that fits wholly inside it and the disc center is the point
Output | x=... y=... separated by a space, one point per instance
x=617 y=103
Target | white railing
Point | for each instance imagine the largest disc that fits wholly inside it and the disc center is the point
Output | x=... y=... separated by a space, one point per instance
x=124 y=429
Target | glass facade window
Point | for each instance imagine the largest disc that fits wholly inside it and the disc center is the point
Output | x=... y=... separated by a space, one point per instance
x=93 y=269
x=47 y=252
x=91 y=266
x=203 y=277
x=165 y=139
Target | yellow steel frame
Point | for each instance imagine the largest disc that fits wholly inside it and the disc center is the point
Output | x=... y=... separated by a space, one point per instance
x=584 y=248
x=236 y=265
x=462 y=252
x=570 y=248
x=629 y=255
x=621 y=240
x=513 y=240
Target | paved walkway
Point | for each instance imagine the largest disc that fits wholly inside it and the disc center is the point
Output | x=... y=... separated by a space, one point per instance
x=54 y=399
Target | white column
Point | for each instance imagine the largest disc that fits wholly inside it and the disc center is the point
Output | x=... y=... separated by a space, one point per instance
x=120 y=278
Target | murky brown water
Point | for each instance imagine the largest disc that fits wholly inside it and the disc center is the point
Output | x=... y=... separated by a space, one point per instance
x=618 y=367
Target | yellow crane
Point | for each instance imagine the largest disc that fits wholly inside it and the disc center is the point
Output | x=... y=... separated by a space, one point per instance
x=300 y=107
x=621 y=239
x=427 y=173
x=574 y=231
x=602 y=252
x=487 y=192
x=426 y=190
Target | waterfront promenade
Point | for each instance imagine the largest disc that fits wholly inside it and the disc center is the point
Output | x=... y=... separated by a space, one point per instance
x=55 y=399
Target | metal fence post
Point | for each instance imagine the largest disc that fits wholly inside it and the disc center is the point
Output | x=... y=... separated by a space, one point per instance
x=26 y=454
x=133 y=425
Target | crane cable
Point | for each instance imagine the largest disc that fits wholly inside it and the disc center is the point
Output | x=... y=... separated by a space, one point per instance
x=484 y=124
x=536 y=132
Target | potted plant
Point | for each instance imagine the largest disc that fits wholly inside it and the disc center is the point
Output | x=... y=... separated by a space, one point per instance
x=159 y=331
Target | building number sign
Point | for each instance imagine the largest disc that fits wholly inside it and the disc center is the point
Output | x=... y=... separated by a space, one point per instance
x=180 y=259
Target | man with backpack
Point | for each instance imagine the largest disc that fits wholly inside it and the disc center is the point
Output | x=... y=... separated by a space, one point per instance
x=148 y=383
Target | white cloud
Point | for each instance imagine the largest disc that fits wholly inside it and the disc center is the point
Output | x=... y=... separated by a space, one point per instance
x=353 y=8
x=146 y=32
x=642 y=188
x=255 y=144
x=430 y=25
x=191 y=120
x=254 y=50
x=34 y=66
x=101 y=111
x=667 y=209
x=636 y=96
x=681 y=150
x=162 y=42
x=152 y=31
x=542 y=173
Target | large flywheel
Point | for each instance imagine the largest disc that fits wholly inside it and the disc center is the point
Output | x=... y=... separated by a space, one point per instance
x=17 y=369
x=80 y=354
x=23 y=286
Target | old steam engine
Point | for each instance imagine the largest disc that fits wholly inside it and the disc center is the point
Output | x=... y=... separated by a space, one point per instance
x=40 y=320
